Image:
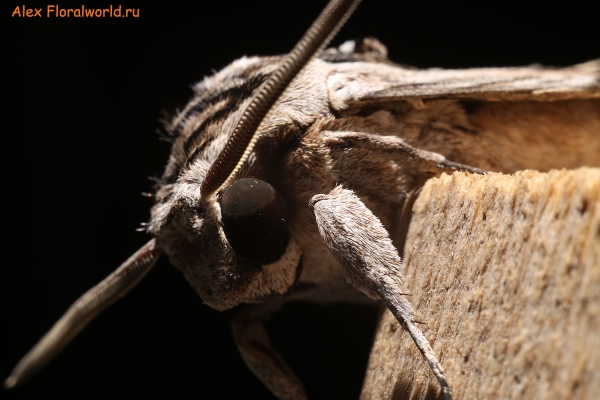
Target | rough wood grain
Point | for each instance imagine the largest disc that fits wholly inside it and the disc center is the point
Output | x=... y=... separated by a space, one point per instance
x=505 y=272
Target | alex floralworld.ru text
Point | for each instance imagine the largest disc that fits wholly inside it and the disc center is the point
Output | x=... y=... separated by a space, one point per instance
x=54 y=10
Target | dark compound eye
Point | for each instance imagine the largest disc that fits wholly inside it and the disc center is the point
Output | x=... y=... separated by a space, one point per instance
x=253 y=215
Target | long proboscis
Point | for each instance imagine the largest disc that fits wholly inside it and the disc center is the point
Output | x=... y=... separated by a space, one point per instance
x=247 y=131
x=84 y=310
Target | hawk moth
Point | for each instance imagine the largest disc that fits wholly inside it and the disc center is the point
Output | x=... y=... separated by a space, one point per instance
x=140 y=218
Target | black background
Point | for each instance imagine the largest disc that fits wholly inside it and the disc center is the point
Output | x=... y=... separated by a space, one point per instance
x=86 y=96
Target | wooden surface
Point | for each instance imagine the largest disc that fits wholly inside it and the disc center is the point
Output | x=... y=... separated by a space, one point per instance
x=505 y=272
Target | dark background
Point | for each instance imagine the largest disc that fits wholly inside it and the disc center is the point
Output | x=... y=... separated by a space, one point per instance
x=85 y=100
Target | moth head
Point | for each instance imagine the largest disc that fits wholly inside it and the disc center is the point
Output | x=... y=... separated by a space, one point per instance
x=221 y=223
x=234 y=247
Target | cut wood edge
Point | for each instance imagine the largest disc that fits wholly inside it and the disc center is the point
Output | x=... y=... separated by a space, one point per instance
x=505 y=272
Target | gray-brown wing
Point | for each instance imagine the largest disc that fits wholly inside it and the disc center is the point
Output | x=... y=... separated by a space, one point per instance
x=499 y=119
x=353 y=86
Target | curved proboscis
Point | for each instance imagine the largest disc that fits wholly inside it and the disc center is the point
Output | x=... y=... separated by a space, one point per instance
x=246 y=133
x=83 y=311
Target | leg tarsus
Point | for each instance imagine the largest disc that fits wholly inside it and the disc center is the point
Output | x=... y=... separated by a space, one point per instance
x=360 y=243
x=257 y=352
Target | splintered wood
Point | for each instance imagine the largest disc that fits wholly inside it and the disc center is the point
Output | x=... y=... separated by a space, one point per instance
x=504 y=270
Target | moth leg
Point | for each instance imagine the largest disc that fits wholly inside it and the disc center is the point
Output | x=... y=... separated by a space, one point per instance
x=366 y=146
x=387 y=170
x=257 y=352
x=371 y=263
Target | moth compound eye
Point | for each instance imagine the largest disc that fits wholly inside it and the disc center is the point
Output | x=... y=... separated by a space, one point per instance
x=253 y=214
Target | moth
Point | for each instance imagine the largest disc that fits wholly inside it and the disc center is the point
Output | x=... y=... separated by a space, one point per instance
x=417 y=105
